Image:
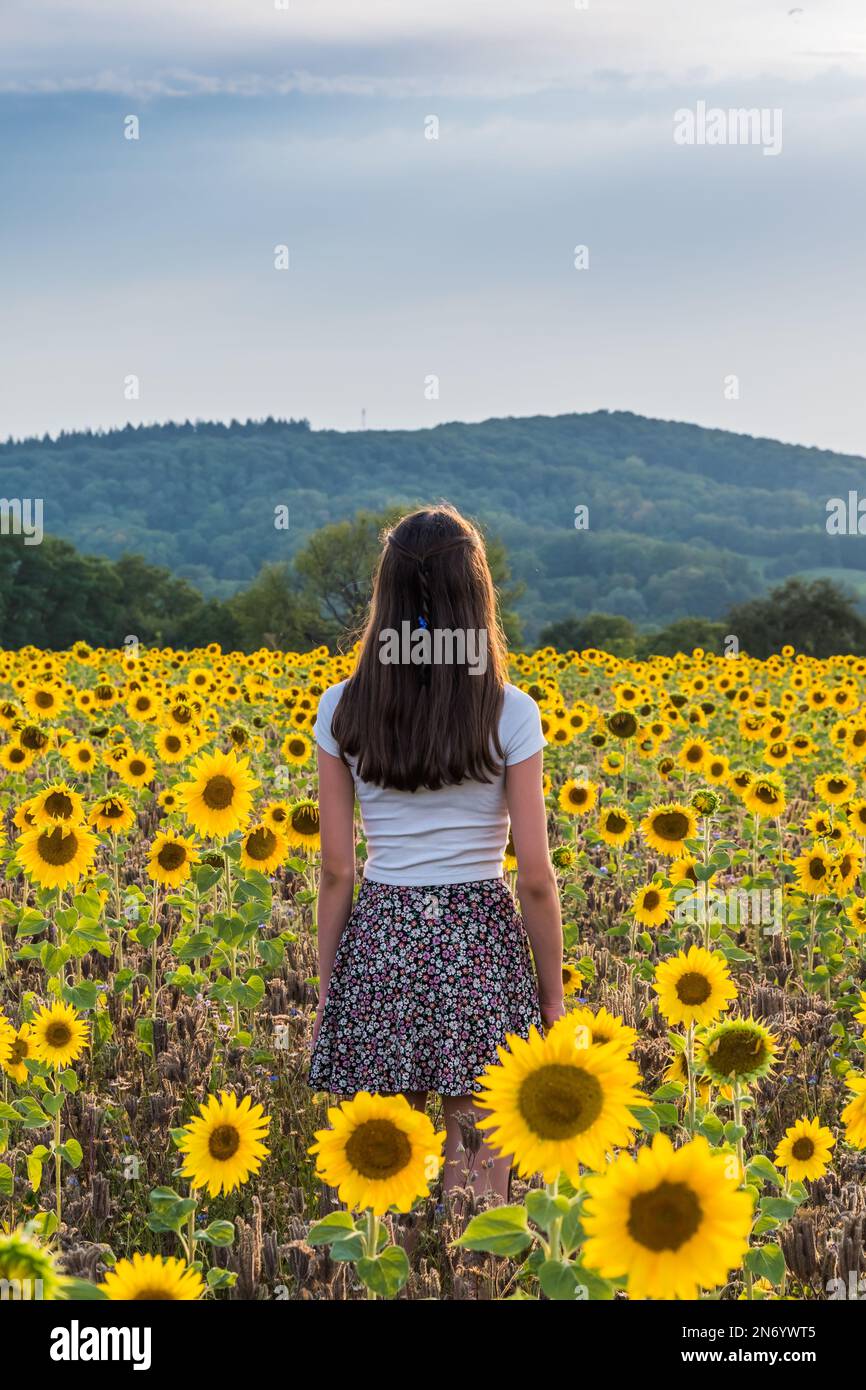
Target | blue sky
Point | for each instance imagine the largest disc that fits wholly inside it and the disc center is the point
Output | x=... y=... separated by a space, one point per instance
x=412 y=257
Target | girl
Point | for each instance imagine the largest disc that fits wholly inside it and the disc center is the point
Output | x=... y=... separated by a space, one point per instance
x=424 y=977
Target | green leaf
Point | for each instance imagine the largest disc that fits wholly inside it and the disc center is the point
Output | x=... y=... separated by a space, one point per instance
x=766 y=1262
x=384 y=1274
x=335 y=1226
x=779 y=1208
x=647 y=1119
x=501 y=1231
x=72 y=1152
x=544 y=1209
x=558 y=1280
x=760 y=1169
x=7 y=1182
x=217 y=1233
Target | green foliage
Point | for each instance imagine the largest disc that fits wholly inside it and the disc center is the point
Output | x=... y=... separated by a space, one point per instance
x=682 y=520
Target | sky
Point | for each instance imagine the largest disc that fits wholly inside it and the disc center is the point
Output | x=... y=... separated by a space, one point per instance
x=432 y=279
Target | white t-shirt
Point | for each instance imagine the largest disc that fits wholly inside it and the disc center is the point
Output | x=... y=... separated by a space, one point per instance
x=452 y=835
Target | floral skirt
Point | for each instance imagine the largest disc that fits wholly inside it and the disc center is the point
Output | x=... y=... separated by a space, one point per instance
x=426 y=985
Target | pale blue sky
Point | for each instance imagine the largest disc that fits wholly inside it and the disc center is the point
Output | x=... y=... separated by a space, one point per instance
x=412 y=257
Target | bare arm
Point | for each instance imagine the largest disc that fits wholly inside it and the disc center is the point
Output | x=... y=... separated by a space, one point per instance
x=336 y=811
x=536 y=881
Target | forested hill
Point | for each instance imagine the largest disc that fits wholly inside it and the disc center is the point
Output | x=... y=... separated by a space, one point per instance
x=682 y=520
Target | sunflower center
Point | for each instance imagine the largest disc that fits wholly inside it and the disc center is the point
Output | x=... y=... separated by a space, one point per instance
x=56 y=848
x=58 y=805
x=378 y=1150
x=305 y=820
x=671 y=825
x=297 y=748
x=577 y=796
x=694 y=754
x=665 y=1217
x=651 y=900
x=693 y=988
x=173 y=743
x=836 y=785
x=58 y=1034
x=817 y=868
x=19 y=1051
x=111 y=810
x=738 y=1051
x=768 y=795
x=558 y=1101
x=171 y=856
x=44 y=700
x=224 y=1142
x=17 y=755
x=146 y=1295
x=802 y=1148
x=218 y=793
x=622 y=725
x=616 y=823
x=137 y=767
x=261 y=843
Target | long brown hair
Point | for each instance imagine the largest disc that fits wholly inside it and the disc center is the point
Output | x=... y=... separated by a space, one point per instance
x=435 y=724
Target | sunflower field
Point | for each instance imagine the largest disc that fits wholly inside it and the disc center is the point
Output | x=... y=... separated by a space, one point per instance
x=695 y=1126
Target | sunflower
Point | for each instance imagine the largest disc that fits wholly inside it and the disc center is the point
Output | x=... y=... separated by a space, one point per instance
x=716 y=769
x=380 y=1153
x=15 y=758
x=263 y=848
x=296 y=749
x=171 y=859
x=554 y=1104
x=58 y=1036
x=856 y=915
x=15 y=1048
x=671 y=1221
x=276 y=815
x=112 y=812
x=615 y=826
x=58 y=857
x=80 y=755
x=736 y=1052
x=835 y=788
x=578 y=797
x=598 y=1027
x=694 y=754
x=815 y=872
x=145 y=1278
x=27 y=1263
x=765 y=795
x=44 y=701
x=666 y=828
x=218 y=800
x=652 y=905
x=805 y=1150
x=172 y=745
x=571 y=979
x=222 y=1145
x=622 y=724
x=302 y=827
x=137 y=769
x=857 y=816
x=694 y=986
x=848 y=865
x=57 y=804
x=853 y=1117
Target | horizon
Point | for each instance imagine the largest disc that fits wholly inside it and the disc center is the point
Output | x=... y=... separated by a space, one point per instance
x=304 y=422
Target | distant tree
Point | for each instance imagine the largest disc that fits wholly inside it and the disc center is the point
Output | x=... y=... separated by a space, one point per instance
x=608 y=631
x=683 y=636
x=272 y=612
x=337 y=563
x=816 y=617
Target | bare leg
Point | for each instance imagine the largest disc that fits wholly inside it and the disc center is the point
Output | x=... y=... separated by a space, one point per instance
x=479 y=1167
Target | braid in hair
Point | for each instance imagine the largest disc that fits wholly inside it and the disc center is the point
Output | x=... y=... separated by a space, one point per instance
x=425 y=615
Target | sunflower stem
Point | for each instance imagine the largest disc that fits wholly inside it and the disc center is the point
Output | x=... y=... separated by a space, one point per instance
x=58 y=1157
x=372 y=1241
x=693 y=1089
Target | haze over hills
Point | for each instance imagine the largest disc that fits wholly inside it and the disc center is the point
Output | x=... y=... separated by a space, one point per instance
x=682 y=520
